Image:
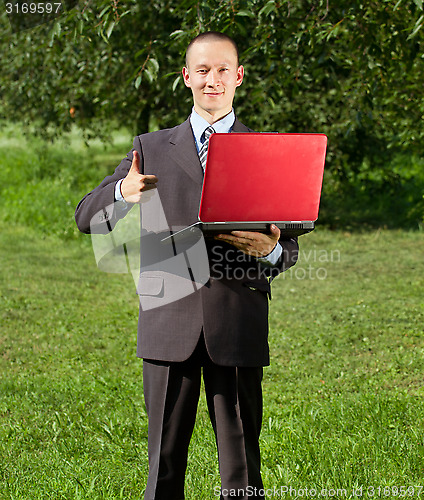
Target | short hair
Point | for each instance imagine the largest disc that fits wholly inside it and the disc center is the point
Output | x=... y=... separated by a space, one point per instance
x=212 y=35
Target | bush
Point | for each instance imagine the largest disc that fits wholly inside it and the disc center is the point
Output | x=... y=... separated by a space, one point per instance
x=390 y=197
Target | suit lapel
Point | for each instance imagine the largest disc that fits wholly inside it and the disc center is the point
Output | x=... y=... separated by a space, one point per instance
x=183 y=151
x=239 y=127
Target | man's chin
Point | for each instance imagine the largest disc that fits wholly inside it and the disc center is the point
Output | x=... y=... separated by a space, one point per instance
x=215 y=112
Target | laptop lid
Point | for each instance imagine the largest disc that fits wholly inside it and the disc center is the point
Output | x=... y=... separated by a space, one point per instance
x=265 y=177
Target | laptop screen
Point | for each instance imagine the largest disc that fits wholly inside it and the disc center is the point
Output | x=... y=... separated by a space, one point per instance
x=265 y=177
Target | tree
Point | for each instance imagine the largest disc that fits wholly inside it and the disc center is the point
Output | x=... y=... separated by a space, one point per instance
x=351 y=71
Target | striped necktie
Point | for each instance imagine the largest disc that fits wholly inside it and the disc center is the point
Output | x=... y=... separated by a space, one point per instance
x=203 y=153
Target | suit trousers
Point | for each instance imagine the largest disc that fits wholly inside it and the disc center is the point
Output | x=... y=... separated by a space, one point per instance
x=234 y=400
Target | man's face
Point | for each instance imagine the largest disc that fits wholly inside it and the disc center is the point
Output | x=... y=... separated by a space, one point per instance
x=212 y=74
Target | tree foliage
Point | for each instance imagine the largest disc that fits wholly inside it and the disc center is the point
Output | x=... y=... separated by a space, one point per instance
x=351 y=70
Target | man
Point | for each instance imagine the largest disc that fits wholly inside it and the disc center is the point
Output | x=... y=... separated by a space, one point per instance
x=221 y=328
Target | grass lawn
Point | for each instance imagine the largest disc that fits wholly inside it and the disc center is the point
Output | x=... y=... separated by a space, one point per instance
x=343 y=395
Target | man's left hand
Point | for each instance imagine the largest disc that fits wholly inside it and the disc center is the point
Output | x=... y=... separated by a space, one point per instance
x=252 y=243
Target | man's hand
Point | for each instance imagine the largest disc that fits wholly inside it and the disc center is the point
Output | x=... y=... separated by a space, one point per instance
x=252 y=243
x=135 y=183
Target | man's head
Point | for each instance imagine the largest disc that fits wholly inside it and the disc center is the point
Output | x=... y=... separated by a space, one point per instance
x=213 y=73
x=211 y=36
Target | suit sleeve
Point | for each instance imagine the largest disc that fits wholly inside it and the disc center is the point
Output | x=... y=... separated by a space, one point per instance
x=288 y=257
x=97 y=211
x=290 y=253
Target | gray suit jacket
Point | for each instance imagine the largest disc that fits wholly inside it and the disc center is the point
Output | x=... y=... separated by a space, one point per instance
x=232 y=307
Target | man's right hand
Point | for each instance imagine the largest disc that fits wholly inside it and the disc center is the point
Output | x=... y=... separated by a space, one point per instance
x=135 y=183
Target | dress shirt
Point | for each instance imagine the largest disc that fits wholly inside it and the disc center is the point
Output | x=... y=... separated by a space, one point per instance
x=199 y=125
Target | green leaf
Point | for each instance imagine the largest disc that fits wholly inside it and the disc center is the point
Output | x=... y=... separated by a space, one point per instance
x=103 y=12
x=110 y=29
x=176 y=83
x=417 y=27
x=150 y=76
x=267 y=8
x=153 y=65
x=245 y=13
x=137 y=82
x=55 y=32
x=176 y=34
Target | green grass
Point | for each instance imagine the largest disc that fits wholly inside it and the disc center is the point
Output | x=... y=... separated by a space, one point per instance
x=343 y=394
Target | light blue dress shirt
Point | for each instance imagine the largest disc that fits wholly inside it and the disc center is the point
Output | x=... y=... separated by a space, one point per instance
x=223 y=126
x=199 y=125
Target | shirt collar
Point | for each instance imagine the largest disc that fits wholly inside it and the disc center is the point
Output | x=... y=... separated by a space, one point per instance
x=199 y=125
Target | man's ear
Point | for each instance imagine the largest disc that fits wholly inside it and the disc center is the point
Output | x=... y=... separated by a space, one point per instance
x=240 y=74
x=186 y=77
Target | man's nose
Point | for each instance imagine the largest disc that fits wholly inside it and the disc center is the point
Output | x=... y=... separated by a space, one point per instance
x=213 y=78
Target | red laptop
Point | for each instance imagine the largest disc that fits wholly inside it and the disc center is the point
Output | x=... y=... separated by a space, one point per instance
x=255 y=179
